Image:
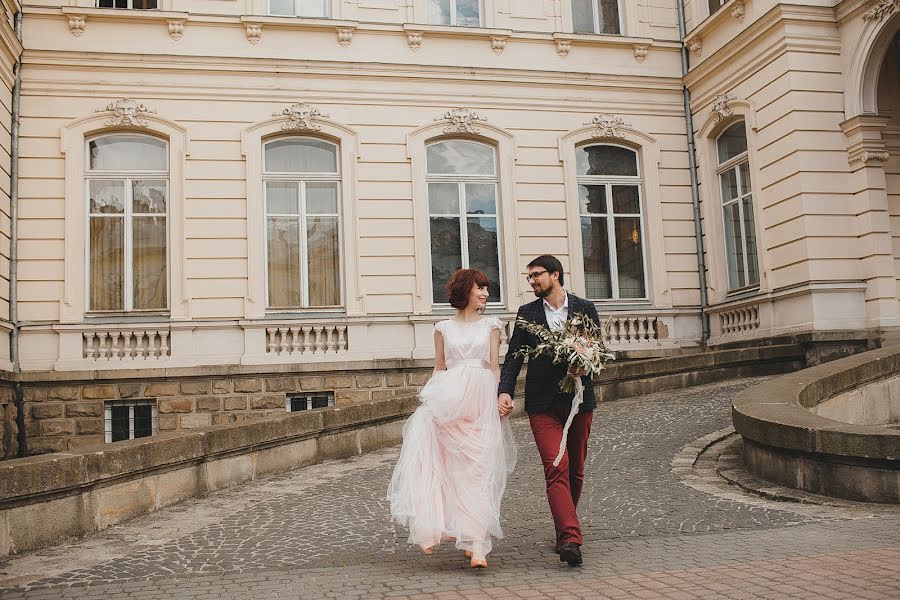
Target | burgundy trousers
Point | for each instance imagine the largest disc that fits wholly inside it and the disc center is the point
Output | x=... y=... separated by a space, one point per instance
x=564 y=481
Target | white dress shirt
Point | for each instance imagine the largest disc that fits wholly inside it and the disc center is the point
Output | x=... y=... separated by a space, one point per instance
x=556 y=317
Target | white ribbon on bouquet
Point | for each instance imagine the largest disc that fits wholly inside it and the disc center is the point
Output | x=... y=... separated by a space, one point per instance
x=576 y=403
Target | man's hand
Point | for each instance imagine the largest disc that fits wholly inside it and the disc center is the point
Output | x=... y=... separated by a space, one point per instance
x=575 y=372
x=505 y=405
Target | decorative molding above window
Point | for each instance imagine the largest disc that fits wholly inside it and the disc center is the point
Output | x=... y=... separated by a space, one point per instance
x=414 y=40
x=498 y=43
x=300 y=117
x=721 y=108
x=640 y=52
x=254 y=32
x=607 y=126
x=864 y=156
x=462 y=120
x=563 y=47
x=126 y=113
x=881 y=9
x=176 y=29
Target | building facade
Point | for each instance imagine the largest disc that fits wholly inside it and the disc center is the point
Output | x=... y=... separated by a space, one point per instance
x=225 y=207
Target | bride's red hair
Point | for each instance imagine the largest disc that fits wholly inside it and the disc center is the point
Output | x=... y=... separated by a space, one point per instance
x=461 y=283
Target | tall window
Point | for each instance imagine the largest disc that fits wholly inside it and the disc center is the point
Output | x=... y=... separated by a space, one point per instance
x=299 y=8
x=127 y=191
x=596 y=16
x=464 y=13
x=609 y=196
x=737 y=205
x=302 y=198
x=462 y=206
x=137 y=4
x=715 y=5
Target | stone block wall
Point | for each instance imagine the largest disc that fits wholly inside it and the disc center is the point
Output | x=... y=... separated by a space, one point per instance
x=70 y=416
x=9 y=431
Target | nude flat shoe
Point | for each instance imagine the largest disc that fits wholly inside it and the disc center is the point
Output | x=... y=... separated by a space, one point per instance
x=429 y=550
x=478 y=563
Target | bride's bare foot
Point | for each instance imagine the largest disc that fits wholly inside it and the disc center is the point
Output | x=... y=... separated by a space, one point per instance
x=428 y=550
x=478 y=563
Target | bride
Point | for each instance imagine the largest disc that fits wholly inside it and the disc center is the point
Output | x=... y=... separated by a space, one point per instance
x=457 y=447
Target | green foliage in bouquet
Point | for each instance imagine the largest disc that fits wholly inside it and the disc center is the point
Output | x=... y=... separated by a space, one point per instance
x=579 y=344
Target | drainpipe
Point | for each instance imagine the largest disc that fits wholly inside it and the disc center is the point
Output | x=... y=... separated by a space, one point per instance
x=695 y=189
x=14 y=246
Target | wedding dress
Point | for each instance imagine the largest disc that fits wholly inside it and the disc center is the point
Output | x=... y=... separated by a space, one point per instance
x=457 y=451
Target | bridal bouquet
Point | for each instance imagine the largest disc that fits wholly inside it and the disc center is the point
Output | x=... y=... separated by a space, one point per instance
x=579 y=344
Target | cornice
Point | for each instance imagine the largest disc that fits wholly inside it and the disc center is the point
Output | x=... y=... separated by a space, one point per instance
x=763 y=26
x=850 y=9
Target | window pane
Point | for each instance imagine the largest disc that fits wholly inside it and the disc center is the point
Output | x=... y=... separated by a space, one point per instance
x=107 y=263
x=119 y=423
x=446 y=254
x=714 y=5
x=750 y=235
x=439 y=12
x=143 y=420
x=606 y=160
x=744 y=169
x=321 y=198
x=313 y=8
x=467 y=13
x=149 y=272
x=732 y=142
x=728 y=181
x=443 y=198
x=592 y=199
x=301 y=156
x=299 y=404
x=104 y=3
x=121 y=3
x=483 y=253
x=282 y=198
x=106 y=196
x=283 y=245
x=481 y=199
x=734 y=247
x=609 y=16
x=281 y=7
x=148 y=196
x=583 y=16
x=144 y=4
x=461 y=157
x=127 y=152
x=626 y=199
x=629 y=257
x=323 y=261
x=595 y=245
x=320 y=401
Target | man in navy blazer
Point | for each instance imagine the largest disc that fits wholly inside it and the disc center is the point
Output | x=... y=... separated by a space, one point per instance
x=547 y=407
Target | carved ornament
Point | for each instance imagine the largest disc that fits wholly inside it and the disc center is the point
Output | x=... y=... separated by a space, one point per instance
x=867 y=155
x=254 y=32
x=344 y=36
x=563 y=47
x=176 y=29
x=414 y=40
x=126 y=113
x=720 y=106
x=300 y=117
x=640 y=52
x=739 y=11
x=76 y=24
x=607 y=126
x=462 y=120
x=881 y=9
x=498 y=43
x=696 y=46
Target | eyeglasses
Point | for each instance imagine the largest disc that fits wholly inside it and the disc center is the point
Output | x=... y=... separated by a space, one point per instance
x=534 y=275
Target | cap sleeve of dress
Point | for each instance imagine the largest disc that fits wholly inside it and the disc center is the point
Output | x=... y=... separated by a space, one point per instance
x=494 y=323
x=441 y=326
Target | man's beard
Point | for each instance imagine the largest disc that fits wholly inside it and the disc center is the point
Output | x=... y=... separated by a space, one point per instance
x=542 y=293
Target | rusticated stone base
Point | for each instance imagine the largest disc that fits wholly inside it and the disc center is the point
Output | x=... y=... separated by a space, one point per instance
x=861 y=480
x=8 y=429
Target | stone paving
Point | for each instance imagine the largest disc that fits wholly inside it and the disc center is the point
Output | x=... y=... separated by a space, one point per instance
x=653 y=529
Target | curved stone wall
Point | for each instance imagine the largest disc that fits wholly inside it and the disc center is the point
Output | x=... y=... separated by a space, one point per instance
x=787 y=442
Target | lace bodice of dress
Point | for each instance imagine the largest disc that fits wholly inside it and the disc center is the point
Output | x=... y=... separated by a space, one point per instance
x=467 y=341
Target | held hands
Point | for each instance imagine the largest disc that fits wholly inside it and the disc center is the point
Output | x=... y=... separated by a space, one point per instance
x=505 y=405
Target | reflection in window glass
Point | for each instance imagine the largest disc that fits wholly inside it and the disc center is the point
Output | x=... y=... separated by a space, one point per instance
x=595 y=16
x=127 y=153
x=737 y=208
x=463 y=13
x=460 y=157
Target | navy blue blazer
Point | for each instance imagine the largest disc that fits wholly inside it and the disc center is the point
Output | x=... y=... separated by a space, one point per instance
x=543 y=377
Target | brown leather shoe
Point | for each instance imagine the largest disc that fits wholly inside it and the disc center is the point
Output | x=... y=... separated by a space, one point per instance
x=570 y=552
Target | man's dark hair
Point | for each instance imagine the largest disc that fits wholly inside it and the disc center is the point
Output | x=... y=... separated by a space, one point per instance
x=550 y=263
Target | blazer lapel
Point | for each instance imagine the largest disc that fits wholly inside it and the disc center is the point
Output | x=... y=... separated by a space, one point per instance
x=540 y=315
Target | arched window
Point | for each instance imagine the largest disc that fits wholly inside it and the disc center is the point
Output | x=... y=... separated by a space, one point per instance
x=737 y=206
x=127 y=179
x=462 y=207
x=596 y=16
x=301 y=182
x=610 y=205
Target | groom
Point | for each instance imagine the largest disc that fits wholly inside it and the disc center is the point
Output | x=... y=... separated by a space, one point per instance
x=547 y=407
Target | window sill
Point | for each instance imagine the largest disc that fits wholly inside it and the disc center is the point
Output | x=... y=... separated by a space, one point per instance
x=299 y=22
x=130 y=317
x=742 y=293
x=456 y=30
x=142 y=14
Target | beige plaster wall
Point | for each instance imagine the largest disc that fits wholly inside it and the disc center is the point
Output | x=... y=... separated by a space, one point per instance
x=9 y=52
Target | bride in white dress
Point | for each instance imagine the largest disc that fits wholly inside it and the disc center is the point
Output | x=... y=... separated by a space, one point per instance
x=457 y=448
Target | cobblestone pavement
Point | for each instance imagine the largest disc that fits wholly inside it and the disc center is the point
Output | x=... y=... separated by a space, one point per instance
x=651 y=530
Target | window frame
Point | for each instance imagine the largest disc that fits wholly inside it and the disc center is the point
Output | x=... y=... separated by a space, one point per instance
x=608 y=181
x=461 y=180
x=107 y=418
x=596 y=14
x=127 y=176
x=308 y=397
x=302 y=179
x=734 y=164
x=129 y=7
x=720 y=4
x=453 y=16
x=296 y=13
